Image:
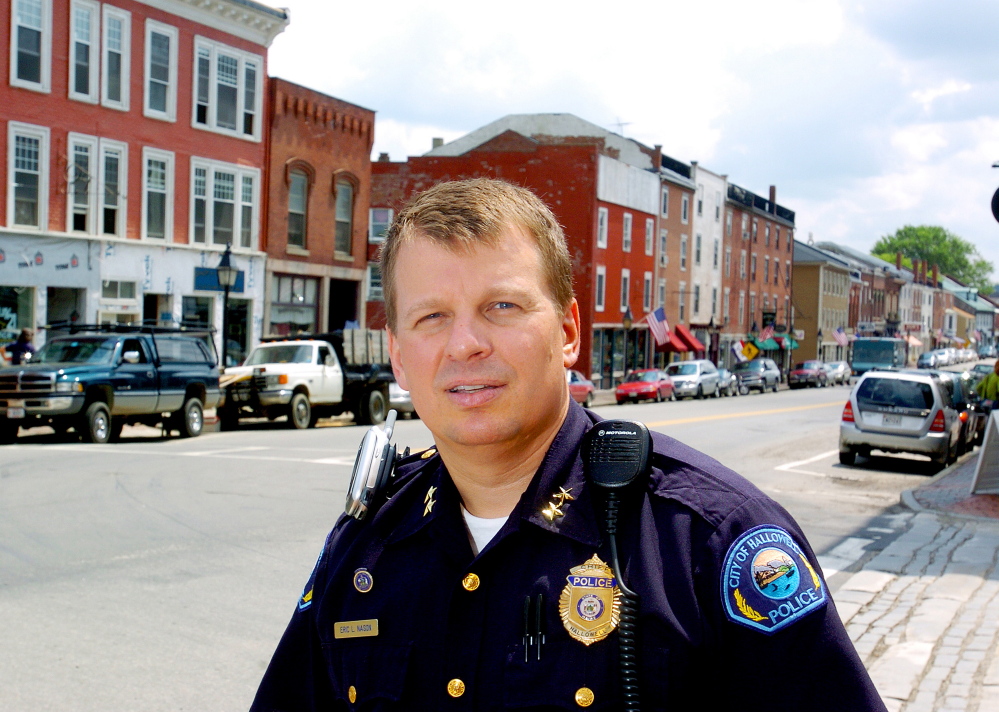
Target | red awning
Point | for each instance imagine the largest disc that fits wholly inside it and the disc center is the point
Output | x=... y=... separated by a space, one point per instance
x=673 y=343
x=691 y=341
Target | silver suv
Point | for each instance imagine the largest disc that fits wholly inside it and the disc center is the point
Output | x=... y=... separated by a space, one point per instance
x=696 y=378
x=759 y=374
x=900 y=411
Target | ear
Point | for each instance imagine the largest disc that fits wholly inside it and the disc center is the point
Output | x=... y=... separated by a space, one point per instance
x=396 y=358
x=570 y=333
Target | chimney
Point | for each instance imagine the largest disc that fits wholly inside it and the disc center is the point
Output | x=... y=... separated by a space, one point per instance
x=383 y=158
x=773 y=199
x=915 y=270
x=936 y=275
x=898 y=260
x=437 y=142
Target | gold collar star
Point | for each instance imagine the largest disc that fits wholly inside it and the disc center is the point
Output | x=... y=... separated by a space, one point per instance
x=554 y=508
x=429 y=500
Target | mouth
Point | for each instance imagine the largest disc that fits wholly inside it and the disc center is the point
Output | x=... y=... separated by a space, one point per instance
x=469 y=389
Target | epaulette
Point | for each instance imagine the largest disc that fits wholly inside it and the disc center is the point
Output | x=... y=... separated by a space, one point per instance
x=409 y=465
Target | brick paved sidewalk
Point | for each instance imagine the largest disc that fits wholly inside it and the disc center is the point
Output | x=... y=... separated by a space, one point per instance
x=924 y=612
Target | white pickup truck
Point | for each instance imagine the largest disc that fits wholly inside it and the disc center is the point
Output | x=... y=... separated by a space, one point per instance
x=308 y=378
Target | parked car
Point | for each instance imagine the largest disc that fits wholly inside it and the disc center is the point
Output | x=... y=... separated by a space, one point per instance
x=970 y=409
x=981 y=370
x=759 y=374
x=927 y=359
x=727 y=382
x=580 y=387
x=400 y=400
x=808 y=373
x=943 y=357
x=645 y=384
x=838 y=372
x=900 y=411
x=694 y=379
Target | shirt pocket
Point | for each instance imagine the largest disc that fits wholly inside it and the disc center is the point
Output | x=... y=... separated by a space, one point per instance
x=567 y=674
x=373 y=674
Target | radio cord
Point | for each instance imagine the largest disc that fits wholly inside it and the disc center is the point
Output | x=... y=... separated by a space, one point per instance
x=628 y=625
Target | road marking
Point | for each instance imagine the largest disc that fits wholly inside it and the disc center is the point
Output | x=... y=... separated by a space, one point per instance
x=227 y=451
x=792 y=466
x=750 y=414
x=345 y=461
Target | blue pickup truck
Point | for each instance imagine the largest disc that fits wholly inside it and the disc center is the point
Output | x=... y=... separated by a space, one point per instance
x=96 y=379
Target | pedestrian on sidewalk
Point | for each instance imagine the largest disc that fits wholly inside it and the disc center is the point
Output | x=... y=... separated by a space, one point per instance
x=19 y=351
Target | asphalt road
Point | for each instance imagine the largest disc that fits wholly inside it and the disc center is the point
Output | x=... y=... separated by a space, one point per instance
x=158 y=574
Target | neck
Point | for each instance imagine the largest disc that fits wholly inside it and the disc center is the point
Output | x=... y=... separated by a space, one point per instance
x=491 y=479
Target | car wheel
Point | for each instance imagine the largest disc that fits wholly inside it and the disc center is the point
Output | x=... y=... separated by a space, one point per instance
x=672 y=395
x=374 y=408
x=743 y=390
x=587 y=402
x=8 y=432
x=191 y=418
x=96 y=424
x=228 y=418
x=847 y=457
x=717 y=393
x=620 y=402
x=299 y=412
x=776 y=385
x=700 y=393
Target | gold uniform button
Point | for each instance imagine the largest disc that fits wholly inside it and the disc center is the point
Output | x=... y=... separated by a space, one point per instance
x=456 y=688
x=470 y=582
x=352 y=694
x=584 y=697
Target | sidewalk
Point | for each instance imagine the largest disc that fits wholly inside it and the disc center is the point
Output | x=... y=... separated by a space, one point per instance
x=924 y=612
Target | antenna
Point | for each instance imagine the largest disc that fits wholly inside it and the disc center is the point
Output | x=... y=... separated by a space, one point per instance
x=620 y=125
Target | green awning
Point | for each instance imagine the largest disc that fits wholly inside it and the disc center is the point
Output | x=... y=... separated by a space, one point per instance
x=768 y=345
x=787 y=342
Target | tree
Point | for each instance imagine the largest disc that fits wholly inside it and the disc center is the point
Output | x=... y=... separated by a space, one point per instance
x=955 y=256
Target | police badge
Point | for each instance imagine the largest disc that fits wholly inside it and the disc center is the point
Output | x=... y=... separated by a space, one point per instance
x=590 y=602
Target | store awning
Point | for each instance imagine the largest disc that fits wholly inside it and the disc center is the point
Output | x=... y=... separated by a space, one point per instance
x=673 y=344
x=913 y=341
x=786 y=342
x=767 y=345
x=690 y=341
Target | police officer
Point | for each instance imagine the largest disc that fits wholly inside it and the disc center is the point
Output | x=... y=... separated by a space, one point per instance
x=483 y=582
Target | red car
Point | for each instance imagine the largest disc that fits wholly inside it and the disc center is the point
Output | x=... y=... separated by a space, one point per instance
x=808 y=373
x=580 y=387
x=646 y=384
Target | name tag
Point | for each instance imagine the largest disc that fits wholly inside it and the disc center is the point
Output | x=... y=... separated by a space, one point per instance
x=356 y=629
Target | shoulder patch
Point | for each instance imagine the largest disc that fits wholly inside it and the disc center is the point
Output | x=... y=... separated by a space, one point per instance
x=768 y=582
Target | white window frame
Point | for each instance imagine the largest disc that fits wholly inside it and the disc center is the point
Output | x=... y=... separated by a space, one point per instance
x=93 y=41
x=376 y=293
x=714 y=302
x=742 y=264
x=697 y=300
x=110 y=12
x=647 y=292
x=683 y=253
x=700 y=200
x=377 y=239
x=105 y=146
x=171 y=94
x=714 y=259
x=664 y=208
x=742 y=308
x=766 y=269
x=661 y=294
x=727 y=305
x=603 y=216
x=697 y=249
x=663 y=244
x=625 y=288
x=682 y=303
x=240 y=172
x=149 y=153
x=93 y=145
x=42 y=133
x=728 y=261
x=626 y=225
x=44 y=84
x=650 y=236
x=685 y=209
x=214 y=49
x=600 y=288
x=752 y=267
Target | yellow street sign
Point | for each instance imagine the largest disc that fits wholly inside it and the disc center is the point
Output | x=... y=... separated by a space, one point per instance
x=750 y=351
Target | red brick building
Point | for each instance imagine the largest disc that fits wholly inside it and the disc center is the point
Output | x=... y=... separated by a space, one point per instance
x=604 y=189
x=133 y=145
x=317 y=224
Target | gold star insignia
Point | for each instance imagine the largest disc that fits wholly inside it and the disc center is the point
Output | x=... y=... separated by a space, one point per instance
x=554 y=508
x=429 y=501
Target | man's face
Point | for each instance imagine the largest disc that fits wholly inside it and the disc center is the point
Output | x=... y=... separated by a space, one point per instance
x=479 y=343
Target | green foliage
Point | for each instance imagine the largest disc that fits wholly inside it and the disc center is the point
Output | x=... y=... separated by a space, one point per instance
x=954 y=255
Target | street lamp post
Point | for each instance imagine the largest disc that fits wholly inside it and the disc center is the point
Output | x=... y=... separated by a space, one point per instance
x=227 y=275
x=818 y=345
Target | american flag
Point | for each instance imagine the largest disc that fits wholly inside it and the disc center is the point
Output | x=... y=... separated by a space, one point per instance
x=840 y=337
x=658 y=326
x=767 y=333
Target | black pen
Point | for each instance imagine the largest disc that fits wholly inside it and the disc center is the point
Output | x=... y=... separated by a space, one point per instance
x=539 y=624
x=528 y=638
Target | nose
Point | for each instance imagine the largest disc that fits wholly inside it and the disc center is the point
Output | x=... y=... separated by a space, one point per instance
x=467 y=339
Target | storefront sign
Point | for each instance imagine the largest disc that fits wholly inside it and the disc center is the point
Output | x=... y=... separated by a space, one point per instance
x=206 y=279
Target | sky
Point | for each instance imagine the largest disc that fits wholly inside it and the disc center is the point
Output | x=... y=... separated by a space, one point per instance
x=867 y=116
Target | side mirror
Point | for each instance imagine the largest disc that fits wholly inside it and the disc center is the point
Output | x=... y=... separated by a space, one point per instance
x=329 y=361
x=131 y=357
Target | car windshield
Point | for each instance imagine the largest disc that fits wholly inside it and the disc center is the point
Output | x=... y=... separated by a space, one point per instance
x=280 y=353
x=894 y=392
x=748 y=366
x=642 y=376
x=95 y=350
x=682 y=369
x=807 y=365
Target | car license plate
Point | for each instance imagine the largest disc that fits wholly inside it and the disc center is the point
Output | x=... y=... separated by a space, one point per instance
x=890 y=419
x=13 y=413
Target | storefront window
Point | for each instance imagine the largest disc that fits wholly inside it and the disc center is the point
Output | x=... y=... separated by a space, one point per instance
x=16 y=311
x=294 y=309
x=197 y=311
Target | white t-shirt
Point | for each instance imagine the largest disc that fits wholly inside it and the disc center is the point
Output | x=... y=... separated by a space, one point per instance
x=482 y=530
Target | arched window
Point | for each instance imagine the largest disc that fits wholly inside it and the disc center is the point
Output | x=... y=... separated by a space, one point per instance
x=298 y=199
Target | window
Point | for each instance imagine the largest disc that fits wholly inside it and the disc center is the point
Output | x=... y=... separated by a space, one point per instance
x=647 y=292
x=776 y=270
x=663 y=254
x=31 y=44
x=683 y=252
x=742 y=265
x=766 y=235
x=650 y=230
x=752 y=267
x=682 y=305
x=116 y=57
x=344 y=217
x=766 y=270
x=728 y=261
x=157 y=194
x=294 y=304
x=82 y=192
x=714 y=260
x=685 y=209
x=113 y=289
x=28 y=175
x=745 y=227
x=298 y=199
x=375 y=292
x=379 y=220
x=700 y=203
x=787 y=272
x=601 y=227
x=756 y=226
x=626 y=233
x=728 y=223
x=227 y=89
x=727 y=306
x=742 y=308
x=752 y=306
x=113 y=176
x=665 y=206
x=714 y=301
x=625 y=288
x=600 y=288
x=697 y=299
x=717 y=205
x=83 y=28
x=224 y=203
x=777 y=238
x=661 y=294
x=161 y=71
x=697 y=250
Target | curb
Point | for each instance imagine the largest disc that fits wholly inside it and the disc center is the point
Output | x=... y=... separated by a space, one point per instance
x=908 y=497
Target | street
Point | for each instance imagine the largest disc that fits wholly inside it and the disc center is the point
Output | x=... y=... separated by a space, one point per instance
x=158 y=574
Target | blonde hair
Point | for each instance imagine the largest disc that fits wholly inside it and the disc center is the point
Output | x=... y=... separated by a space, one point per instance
x=461 y=215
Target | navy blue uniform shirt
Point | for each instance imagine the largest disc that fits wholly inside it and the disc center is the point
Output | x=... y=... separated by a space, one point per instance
x=733 y=612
